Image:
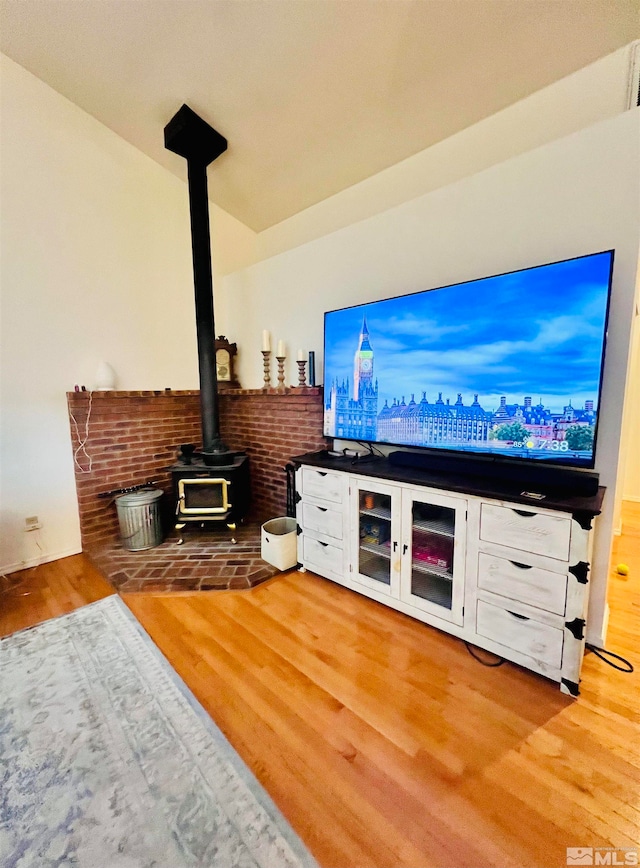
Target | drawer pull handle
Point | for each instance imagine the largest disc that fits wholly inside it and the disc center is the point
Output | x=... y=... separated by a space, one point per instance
x=523 y=513
x=519 y=617
x=321 y=473
x=322 y=508
x=521 y=566
x=324 y=545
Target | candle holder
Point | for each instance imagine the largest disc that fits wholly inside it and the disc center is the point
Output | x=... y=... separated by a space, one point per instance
x=266 y=362
x=280 y=361
x=302 y=374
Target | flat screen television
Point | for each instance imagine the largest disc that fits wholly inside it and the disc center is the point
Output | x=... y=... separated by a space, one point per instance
x=508 y=366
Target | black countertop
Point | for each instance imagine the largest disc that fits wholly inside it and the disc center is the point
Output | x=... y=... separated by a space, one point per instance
x=480 y=486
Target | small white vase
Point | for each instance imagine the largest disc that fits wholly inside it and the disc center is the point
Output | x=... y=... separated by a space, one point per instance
x=105 y=378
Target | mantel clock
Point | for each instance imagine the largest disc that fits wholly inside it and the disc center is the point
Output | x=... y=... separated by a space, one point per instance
x=225 y=358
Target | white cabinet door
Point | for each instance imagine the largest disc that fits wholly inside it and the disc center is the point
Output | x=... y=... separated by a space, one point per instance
x=375 y=535
x=433 y=553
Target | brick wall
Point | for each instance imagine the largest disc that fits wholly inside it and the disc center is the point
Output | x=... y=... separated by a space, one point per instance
x=272 y=427
x=133 y=436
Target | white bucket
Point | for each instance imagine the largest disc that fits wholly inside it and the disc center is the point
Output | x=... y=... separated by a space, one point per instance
x=279 y=543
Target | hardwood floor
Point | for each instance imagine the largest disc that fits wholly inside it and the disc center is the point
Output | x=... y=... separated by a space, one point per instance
x=31 y=596
x=383 y=741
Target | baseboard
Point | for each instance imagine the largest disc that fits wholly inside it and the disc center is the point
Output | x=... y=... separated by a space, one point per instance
x=631 y=497
x=36 y=562
x=599 y=637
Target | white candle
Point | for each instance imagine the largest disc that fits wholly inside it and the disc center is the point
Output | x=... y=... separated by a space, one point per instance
x=266 y=341
x=301 y=356
x=281 y=352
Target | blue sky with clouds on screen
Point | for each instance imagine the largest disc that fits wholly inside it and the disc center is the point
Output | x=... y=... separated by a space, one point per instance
x=536 y=332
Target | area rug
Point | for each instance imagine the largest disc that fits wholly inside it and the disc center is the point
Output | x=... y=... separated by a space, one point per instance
x=107 y=759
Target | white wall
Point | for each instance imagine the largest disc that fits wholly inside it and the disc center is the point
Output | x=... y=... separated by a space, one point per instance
x=630 y=471
x=573 y=196
x=96 y=264
x=597 y=92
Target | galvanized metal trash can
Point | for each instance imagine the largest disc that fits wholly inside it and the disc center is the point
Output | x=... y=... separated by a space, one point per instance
x=140 y=521
x=279 y=545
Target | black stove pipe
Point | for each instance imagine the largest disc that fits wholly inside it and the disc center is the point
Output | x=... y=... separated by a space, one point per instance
x=205 y=324
x=189 y=136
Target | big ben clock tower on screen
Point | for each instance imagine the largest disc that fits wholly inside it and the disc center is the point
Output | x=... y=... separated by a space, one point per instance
x=362 y=364
x=351 y=409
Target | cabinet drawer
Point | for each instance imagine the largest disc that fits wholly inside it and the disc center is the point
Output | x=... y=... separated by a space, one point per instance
x=322 y=557
x=526 y=635
x=533 y=585
x=528 y=531
x=323 y=484
x=323 y=520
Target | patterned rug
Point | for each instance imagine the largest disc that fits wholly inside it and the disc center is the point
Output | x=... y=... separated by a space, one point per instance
x=107 y=759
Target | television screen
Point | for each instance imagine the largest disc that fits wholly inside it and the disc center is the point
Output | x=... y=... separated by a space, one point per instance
x=509 y=365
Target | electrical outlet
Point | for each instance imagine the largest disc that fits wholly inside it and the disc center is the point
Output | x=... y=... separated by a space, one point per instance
x=32 y=522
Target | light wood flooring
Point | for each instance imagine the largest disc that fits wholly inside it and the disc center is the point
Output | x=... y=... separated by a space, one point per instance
x=382 y=741
x=31 y=596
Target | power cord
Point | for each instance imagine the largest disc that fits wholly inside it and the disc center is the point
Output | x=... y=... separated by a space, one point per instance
x=373 y=450
x=603 y=654
x=10 y=587
x=82 y=441
x=495 y=663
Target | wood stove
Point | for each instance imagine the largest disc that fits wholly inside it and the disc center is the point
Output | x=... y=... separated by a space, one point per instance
x=205 y=496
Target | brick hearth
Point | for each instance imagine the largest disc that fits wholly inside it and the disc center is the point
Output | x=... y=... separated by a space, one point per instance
x=132 y=437
x=207 y=561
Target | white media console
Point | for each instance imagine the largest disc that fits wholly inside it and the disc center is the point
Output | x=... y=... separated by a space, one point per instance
x=498 y=567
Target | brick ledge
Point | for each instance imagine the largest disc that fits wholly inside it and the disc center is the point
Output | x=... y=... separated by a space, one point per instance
x=181 y=393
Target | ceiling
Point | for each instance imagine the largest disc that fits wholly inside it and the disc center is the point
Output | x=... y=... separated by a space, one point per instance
x=313 y=95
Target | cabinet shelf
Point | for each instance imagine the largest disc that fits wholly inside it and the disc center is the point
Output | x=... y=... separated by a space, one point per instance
x=375 y=565
x=440 y=526
x=432 y=569
x=377 y=512
x=434 y=589
x=382 y=551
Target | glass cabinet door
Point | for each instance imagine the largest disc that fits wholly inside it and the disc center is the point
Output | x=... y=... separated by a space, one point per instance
x=377 y=564
x=433 y=554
